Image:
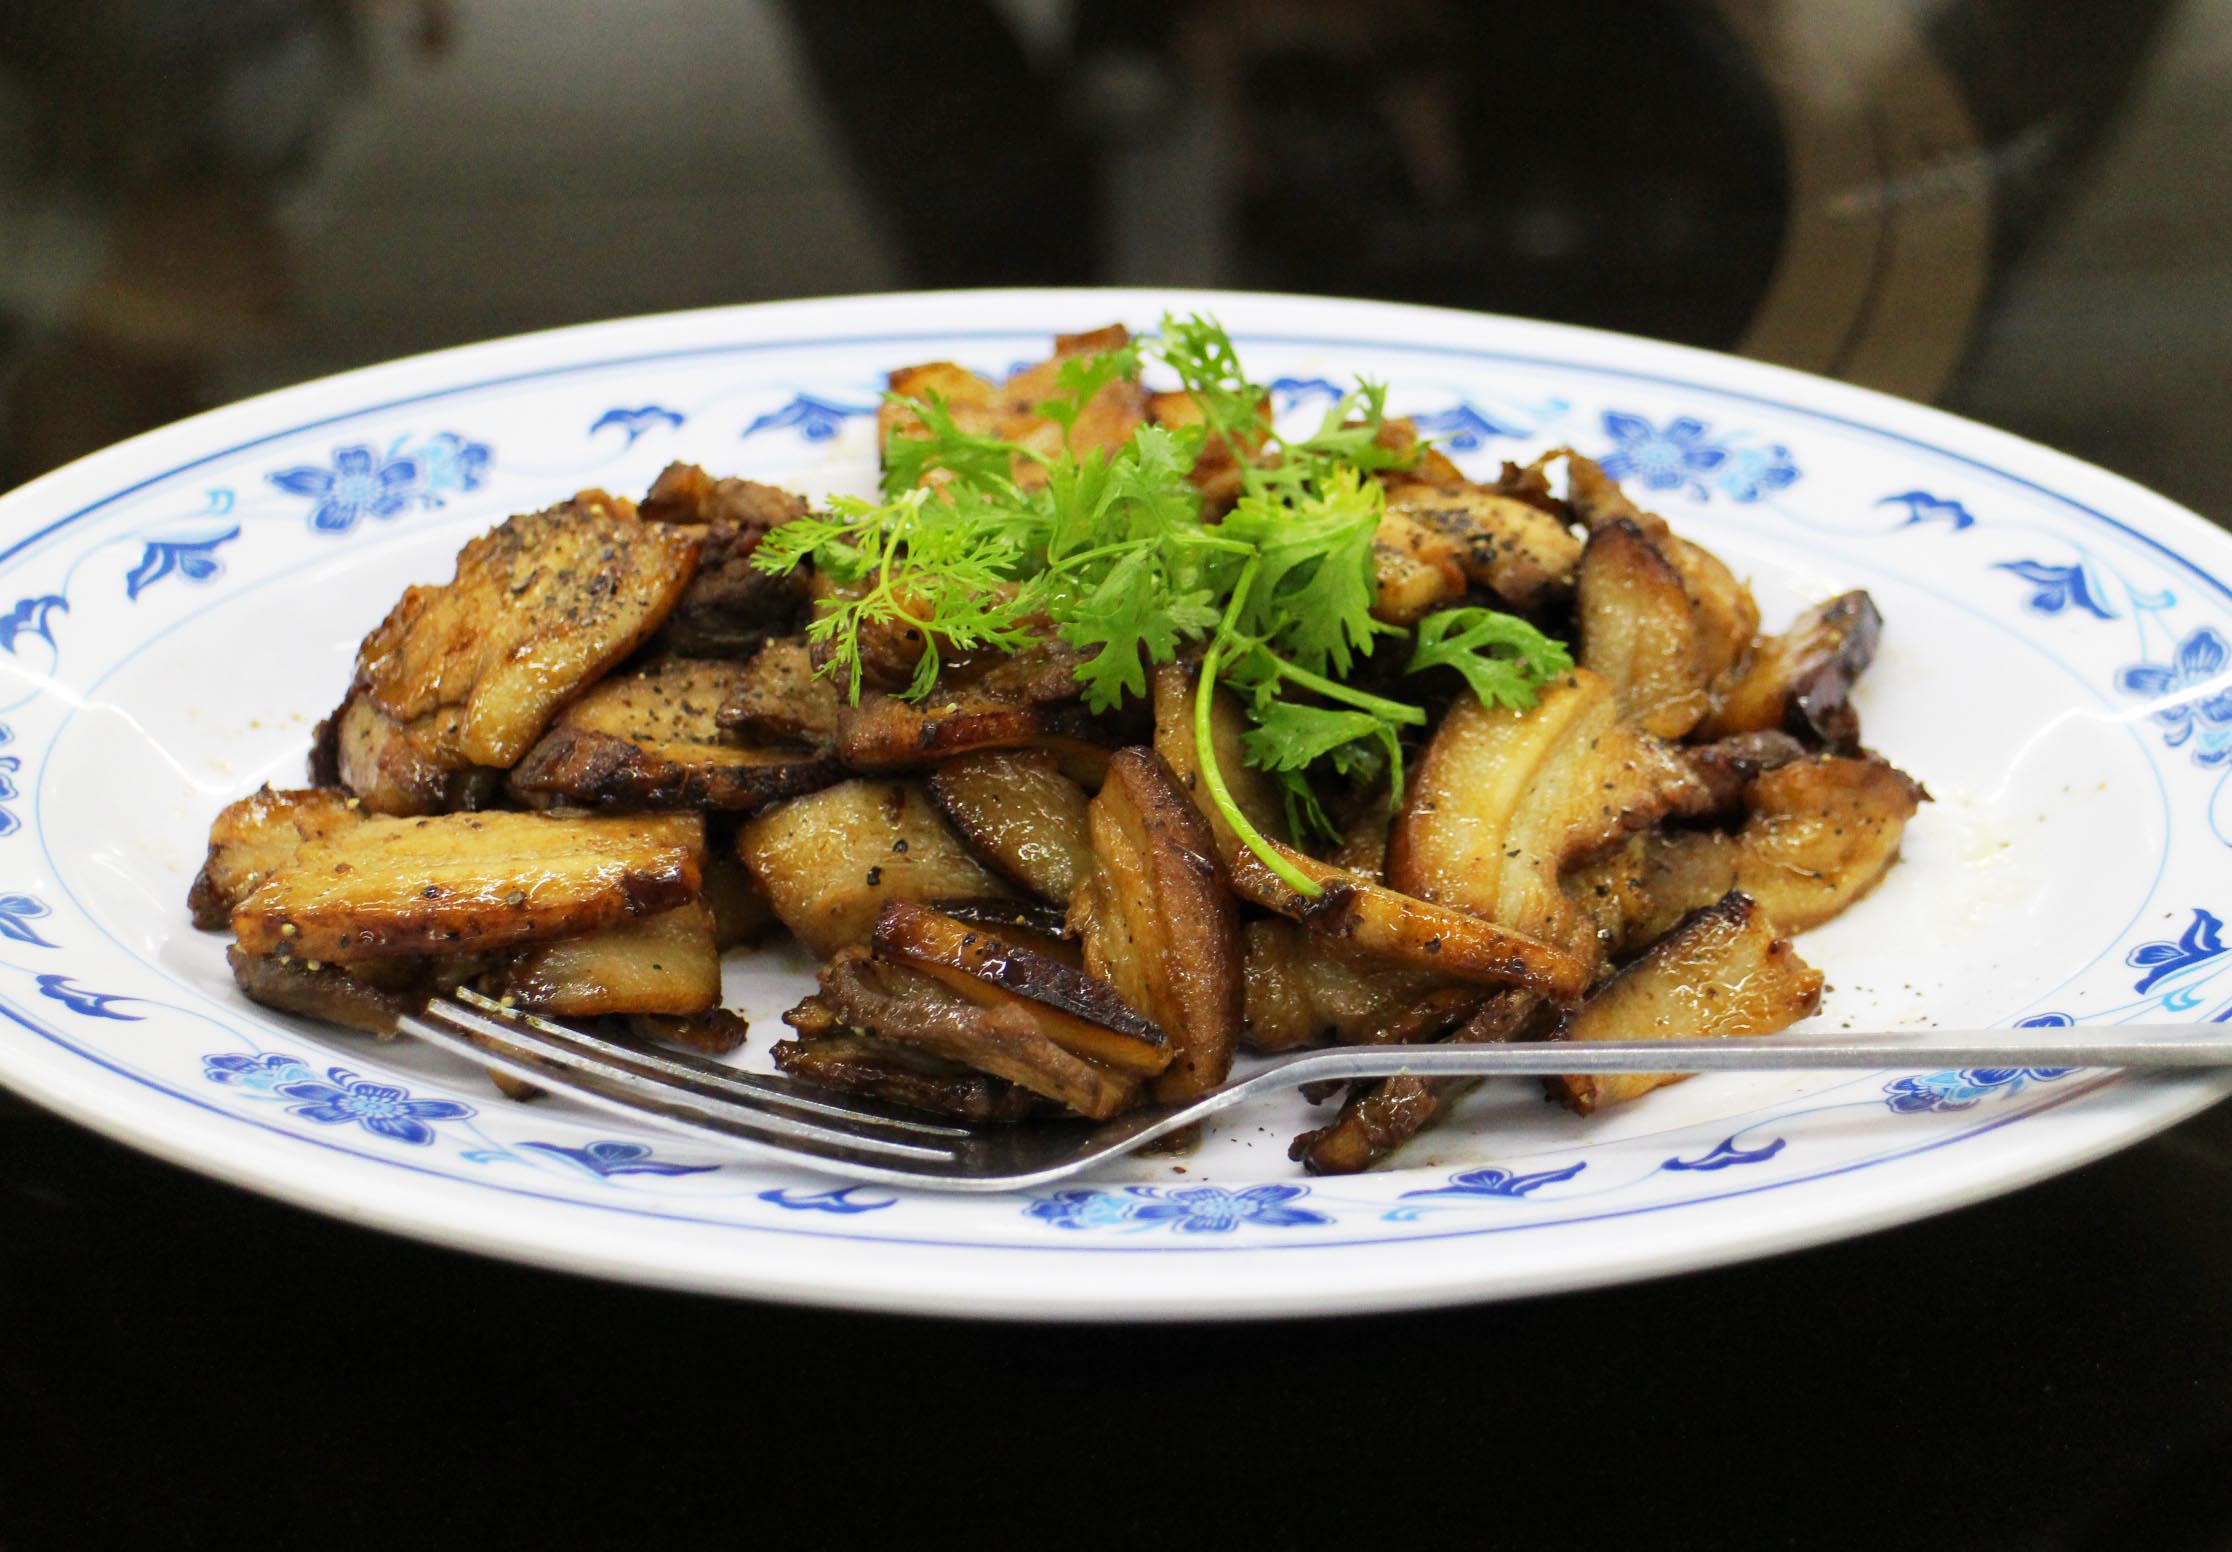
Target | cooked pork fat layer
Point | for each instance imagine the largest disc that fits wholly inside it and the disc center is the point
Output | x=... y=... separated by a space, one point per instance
x=254 y=837
x=472 y=671
x=464 y=883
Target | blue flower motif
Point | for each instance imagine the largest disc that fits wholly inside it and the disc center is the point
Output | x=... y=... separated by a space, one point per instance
x=359 y=485
x=619 y=1158
x=16 y=915
x=1464 y=427
x=194 y=559
x=1753 y=473
x=1287 y=392
x=2199 y=666
x=1188 y=1210
x=817 y=420
x=840 y=1200
x=1922 y=507
x=32 y=617
x=636 y=422
x=2055 y=588
x=1962 y=1090
x=2046 y=1021
x=1500 y=1182
x=2202 y=941
x=382 y=1109
x=258 y=1074
x=1725 y=1153
x=1674 y=458
x=450 y=463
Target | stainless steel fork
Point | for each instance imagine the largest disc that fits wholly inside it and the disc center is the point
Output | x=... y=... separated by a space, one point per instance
x=781 y=1119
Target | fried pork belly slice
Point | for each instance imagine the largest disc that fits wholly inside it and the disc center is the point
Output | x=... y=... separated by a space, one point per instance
x=1024 y=700
x=540 y=607
x=1513 y=548
x=1021 y=815
x=684 y=493
x=399 y=768
x=1368 y=917
x=468 y=883
x=366 y=997
x=1726 y=616
x=253 y=837
x=741 y=913
x=1722 y=972
x=1010 y=409
x=1416 y=569
x=1728 y=765
x=1158 y=923
x=829 y=861
x=1505 y=801
x=1640 y=632
x=1079 y=1012
x=1801 y=681
x=660 y=964
x=778 y=697
x=1004 y=1039
x=1301 y=990
x=1379 y=1115
x=898 y=1074
x=715 y=1032
x=650 y=738
x=1820 y=833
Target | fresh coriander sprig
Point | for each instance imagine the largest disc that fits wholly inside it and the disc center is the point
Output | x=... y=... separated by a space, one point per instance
x=984 y=543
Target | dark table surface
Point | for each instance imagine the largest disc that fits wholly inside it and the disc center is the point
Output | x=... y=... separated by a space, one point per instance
x=2017 y=211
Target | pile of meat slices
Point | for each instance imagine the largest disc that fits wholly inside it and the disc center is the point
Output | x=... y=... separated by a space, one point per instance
x=601 y=756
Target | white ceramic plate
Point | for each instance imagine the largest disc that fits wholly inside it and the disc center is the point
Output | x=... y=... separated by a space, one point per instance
x=176 y=612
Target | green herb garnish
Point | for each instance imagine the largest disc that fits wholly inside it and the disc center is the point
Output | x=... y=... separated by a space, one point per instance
x=1112 y=551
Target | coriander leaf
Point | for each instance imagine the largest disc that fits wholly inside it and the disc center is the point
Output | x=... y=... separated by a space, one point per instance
x=973 y=459
x=1080 y=379
x=1501 y=656
x=1313 y=601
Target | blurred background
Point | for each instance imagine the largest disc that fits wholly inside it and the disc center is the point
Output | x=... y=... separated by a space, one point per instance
x=2015 y=209
x=2021 y=211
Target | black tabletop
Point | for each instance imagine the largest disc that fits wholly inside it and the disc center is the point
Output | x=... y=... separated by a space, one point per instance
x=2017 y=211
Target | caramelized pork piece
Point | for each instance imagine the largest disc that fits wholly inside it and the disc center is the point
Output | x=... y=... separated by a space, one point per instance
x=1021 y=815
x=1639 y=631
x=367 y=997
x=1513 y=548
x=470 y=673
x=253 y=837
x=1006 y=1039
x=715 y=1032
x=466 y=883
x=1301 y=990
x=1078 y=1012
x=1025 y=700
x=1505 y=801
x=899 y=1074
x=1728 y=765
x=829 y=861
x=1381 y=1114
x=659 y=964
x=1801 y=681
x=1157 y=922
x=1820 y=833
x=1723 y=971
x=685 y=493
x=777 y=697
x=650 y=739
x=1010 y=409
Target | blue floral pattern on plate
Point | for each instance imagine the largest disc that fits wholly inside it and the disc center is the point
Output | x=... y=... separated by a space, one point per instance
x=1185 y=1209
x=2204 y=720
x=1682 y=456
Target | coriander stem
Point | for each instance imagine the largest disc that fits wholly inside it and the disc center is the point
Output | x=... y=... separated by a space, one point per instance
x=1205 y=750
x=1392 y=711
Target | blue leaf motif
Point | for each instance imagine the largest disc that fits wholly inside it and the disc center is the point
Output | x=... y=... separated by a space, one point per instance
x=193 y=559
x=78 y=1000
x=16 y=915
x=1464 y=427
x=32 y=617
x=611 y=1158
x=2202 y=941
x=1187 y=1210
x=1725 y=1153
x=1922 y=507
x=636 y=422
x=1500 y=1182
x=1287 y=392
x=2055 y=588
x=841 y=1200
x=2045 y=1021
x=817 y=420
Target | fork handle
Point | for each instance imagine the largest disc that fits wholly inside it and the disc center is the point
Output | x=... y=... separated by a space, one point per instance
x=2141 y=1045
